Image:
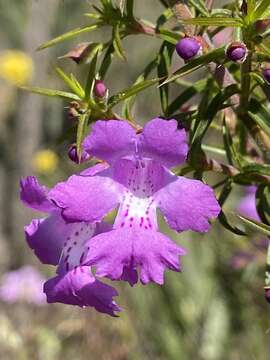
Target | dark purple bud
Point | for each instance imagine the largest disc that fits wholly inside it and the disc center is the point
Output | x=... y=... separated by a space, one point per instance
x=266 y=73
x=267 y=295
x=100 y=89
x=236 y=52
x=188 y=47
x=73 y=155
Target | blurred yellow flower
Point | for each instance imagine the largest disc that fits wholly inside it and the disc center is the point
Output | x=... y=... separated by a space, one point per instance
x=16 y=67
x=45 y=161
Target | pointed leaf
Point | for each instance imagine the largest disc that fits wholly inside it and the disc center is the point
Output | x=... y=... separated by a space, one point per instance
x=68 y=35
x=260 y=114
x=200 y=6
x=255 y=225
x=117 y=43
x=91 y=77
x=51 y=92
x=71 y=83
x=81 y=130
x=164 y=64
x=135 y=89
x=261 y=8
x=214 y=21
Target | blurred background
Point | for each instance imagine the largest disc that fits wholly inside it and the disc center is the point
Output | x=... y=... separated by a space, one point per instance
x=214 y=310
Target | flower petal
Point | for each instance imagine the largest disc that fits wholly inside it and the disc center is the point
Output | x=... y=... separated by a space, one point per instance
x=86 y=198
x=79 y=287
x=95 y=169
x=110 y=140
x=187 y=204
x=46 y=237
x=163 y=142
x=130 y=275
x=247 y=207
x=35 y=195
x=117 y=253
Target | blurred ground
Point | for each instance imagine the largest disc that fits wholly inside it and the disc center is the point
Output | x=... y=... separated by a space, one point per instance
x=211 y=311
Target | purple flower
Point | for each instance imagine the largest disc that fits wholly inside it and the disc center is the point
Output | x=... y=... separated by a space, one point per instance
x=24 y=284
x=57 y=243
x=247 y=206
x=188 y=47
x=138 y=181
x=237 y=52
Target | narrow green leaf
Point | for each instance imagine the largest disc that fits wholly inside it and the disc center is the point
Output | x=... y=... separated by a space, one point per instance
x=73 y=85
x=169 y=36
x=228 y=143
x=215 y=105
x=231 y=151
x=129 y=102
x=250 y=8
x=260 y=114
x=257 y=77
x=264 y=49
x=82 y=125
x=200 y=6
x=135 y=89
x=164 y=17
x=68 y=35
x=214 y=21
x=197 y=63
x=223 y=196
x=261 y=169
x=223 y=219
x=221 y=12
x=52 y=93
x=164 y=64
x=129 y=7
x=214 y=149
x=106 y=62
x=186 y=95
x=117 y=43
x=261 y=8
x=263 y=203
x=255 y=225
x=91 y=77
x=92 y=15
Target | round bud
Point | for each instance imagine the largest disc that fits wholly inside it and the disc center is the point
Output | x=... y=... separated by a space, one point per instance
x=73 y=155
x=266 y=73
x=100 y=89
x=267 y=295
x=188 y=47
x=236 y=52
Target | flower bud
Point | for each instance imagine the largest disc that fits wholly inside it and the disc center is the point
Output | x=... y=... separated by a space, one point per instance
x=73 y=155
x=100 y=89
x=188 y=47
x=237 y=52
x=267 y=294
x=78 y=53
x=266 y=73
